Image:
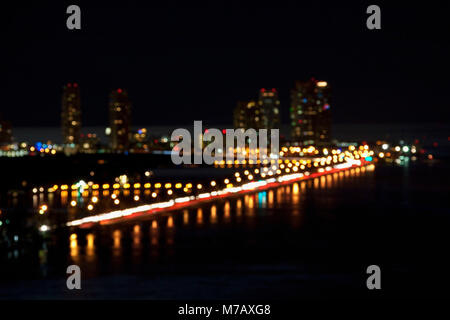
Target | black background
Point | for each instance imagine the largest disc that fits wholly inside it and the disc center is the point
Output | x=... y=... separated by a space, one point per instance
x=183 y=61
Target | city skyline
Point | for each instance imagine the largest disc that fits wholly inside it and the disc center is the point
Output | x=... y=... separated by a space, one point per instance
x=261 y=112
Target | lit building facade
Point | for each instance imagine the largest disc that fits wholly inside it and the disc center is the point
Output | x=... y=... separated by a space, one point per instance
x=310 y=113
x=71 y=115
x=120 y=120
x=89 y=143
x=248 y=114
x=270 y=106
x=5 y=132
x=140 y=140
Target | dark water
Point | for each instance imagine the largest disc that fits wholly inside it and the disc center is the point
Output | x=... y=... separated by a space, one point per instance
x=310 y=239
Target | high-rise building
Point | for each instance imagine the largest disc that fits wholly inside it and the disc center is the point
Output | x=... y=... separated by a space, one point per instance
x=5 y=132
x=89 y=143
x=120 y=120
x=71 y=115
x=310 y=113
x=248 y=114
x=270 y=106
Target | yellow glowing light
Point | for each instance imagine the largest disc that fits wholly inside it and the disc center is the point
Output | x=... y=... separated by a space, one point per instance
x=168 y=185
x=213 y=183
x=90 y=207
x=116 y=185
x=136 y=198
x=178 y=186
x=199 y=186
x=137 y=186
x=94 y=199
x=73 y=203
x=169 y=192
x=226 y=181
x=117 y=201
x=157 y=185
x=147 y=185
x=154 y=194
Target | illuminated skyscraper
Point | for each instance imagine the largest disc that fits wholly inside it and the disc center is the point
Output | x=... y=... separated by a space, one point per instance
x=89 y=143
x=270 y=106
x=71 y=115
x=248 y=114
x=120 y=120
x=5 y=132
x=310 y=113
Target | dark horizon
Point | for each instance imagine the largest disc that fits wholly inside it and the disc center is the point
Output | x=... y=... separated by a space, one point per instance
x=181 y=64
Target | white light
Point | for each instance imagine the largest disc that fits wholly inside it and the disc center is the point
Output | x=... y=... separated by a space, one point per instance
x=204 y=195
x=385 y=146
x=43 y=228
x=184 y=199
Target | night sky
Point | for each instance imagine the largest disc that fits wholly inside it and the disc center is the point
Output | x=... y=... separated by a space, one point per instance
x=186 y=61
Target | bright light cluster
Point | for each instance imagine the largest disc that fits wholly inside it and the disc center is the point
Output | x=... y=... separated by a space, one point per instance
x=289 y=168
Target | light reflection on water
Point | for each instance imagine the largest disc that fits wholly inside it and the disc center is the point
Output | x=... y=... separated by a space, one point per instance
x=226 y=211
x=213 y=214
x=185 y=217
x=199 y=216
x=157 y=238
